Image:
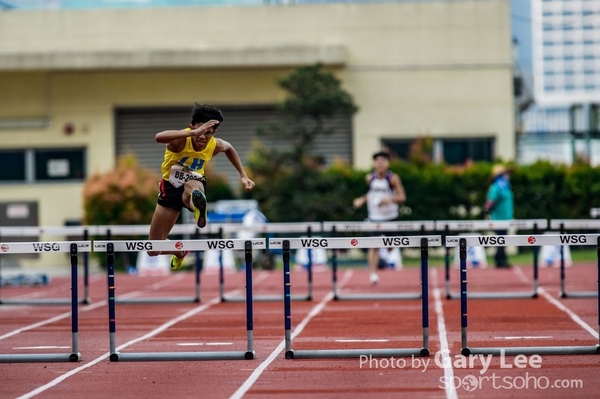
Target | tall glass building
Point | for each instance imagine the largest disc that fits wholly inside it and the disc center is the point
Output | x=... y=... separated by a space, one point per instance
x=566 y=51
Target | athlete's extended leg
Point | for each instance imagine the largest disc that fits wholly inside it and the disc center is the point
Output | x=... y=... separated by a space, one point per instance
x=195 y=199
x=373 y=261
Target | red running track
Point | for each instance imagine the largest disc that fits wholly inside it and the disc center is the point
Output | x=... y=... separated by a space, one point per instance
x=319 y=324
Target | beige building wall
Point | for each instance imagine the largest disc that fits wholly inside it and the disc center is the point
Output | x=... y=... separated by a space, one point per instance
x=437 y=69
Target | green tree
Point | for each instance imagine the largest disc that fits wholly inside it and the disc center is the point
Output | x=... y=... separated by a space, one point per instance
x=290 y=185
x=124 y=195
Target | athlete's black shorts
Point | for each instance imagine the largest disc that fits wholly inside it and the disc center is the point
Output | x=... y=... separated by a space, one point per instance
x=172 y=197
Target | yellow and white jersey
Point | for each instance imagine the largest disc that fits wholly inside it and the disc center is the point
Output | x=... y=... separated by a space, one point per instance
x=187 y=164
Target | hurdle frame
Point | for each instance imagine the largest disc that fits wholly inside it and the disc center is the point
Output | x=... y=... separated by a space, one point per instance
x=368 y=242
x=178 y=229
x=267 y=228
x=370 y=226
x=32 y=231
x=537 y=225
x=562 y=225
x=191 y=245
x=520 y=240
x=61 y=246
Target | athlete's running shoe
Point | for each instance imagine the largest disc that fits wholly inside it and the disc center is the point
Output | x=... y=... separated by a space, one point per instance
x=199 y=203
x=374 y=278
x=177 y=263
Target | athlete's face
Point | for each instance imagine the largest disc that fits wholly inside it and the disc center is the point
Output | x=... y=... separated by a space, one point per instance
x=202 y=139
x=381 y=164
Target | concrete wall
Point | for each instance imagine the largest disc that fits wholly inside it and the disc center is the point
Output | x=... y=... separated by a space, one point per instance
x=438 y=69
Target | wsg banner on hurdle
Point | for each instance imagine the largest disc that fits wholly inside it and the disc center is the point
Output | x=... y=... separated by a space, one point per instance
x=185 y=230
x=307 y=228
x=465 y=226
x=372 y=228
x=518 y=240
x=112 y=247
x=73 y=248
x=48 y=246
x=424 y=242
x=572 y=224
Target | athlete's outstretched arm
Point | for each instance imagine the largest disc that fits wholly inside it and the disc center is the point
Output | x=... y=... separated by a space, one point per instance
x=234 y=158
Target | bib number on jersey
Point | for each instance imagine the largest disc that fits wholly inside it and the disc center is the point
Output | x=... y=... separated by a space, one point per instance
x=180 y=175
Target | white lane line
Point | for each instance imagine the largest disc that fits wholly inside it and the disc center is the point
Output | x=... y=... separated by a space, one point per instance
x=444 y=347
x=527 y=337
x=245 y=387
x=560 y=305
x=204 y=343
x=152 y=333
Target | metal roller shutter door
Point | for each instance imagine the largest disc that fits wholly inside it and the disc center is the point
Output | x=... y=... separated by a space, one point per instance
x=136 y=127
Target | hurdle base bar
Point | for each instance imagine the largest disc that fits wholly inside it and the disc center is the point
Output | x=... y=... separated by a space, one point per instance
x=181 y=356
x=580 y=294
x=158 y=300
x=495 y=295
x=534 y=350
x=47 y=301
x=381 y=296
x=354 y=353
x=41 y=358
x=266 y=298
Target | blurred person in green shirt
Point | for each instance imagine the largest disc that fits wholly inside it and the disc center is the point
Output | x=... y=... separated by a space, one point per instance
x=500 y=206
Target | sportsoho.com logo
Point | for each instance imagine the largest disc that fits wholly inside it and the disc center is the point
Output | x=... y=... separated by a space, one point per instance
x=479 y=365
x=472 y=382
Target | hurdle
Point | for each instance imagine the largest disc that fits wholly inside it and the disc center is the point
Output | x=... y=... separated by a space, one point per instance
x=110 y=247
x=179 y=229
x=35 y=231
x=73 y=248
x=519 y=240
x=562 y=225
x=269 y=228
x=536 y=225
x=345 y=227
x=357 y=242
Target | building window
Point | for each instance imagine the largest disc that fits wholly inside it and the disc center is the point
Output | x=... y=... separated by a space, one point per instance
x=42 y=165
x=451 y=151
x=458 y=151
x=12 y=164
x=59 y=165
x=399 y=147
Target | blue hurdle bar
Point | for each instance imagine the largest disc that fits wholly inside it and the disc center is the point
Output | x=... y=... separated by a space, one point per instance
x=354 y=353
x=74 y=356
x=514 y=351
x=115 y=356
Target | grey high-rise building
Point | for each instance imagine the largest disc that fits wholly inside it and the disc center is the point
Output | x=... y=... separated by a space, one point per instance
x=566 y=51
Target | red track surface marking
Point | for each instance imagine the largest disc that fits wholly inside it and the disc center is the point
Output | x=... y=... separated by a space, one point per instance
x=396 y=321
x=163 y=327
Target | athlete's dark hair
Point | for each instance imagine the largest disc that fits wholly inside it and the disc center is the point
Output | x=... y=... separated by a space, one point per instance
x=204 y=112
x=383 y=154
